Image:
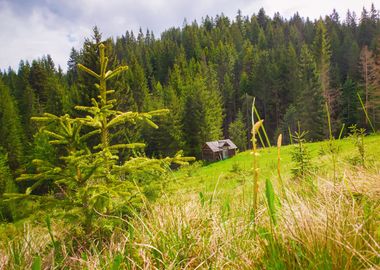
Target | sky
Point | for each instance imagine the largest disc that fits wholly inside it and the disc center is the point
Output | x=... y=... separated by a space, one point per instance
x=30 y=29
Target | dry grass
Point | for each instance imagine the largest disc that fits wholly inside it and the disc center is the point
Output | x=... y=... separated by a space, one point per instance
x=320 y=225
x=323 y=227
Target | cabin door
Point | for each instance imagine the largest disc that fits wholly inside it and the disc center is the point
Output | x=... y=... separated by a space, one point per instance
x=225 y=153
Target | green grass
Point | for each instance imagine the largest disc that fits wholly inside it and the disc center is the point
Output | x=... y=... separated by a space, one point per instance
x=204 y=220
x=204 y=179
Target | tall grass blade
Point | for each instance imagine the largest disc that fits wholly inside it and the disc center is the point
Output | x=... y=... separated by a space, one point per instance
x=261 y=140
x=366 y=113
x=270 y=196
x=341 y=131
x=202 y=199
x=263 y=128
x=37 y=263
x=255 y=167
x=116 y=265
x=215 y=188
x=290 y=136
x=279 y=142
x=331 y=141
x=329 y=121
x=48 y=224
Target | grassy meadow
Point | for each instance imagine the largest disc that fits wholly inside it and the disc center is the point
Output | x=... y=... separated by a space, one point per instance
x=205 y=219
x=98 y=164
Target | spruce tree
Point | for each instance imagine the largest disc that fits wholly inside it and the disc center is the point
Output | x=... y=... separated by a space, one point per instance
x=237 y=132
x=88 y=56
x=90 y=181
x=7 y=185
x=168 y=138
x=10 y=128
x=350 y=103
x=310 y=101
x=322 y=54
x=202 y=115
x=370 y=74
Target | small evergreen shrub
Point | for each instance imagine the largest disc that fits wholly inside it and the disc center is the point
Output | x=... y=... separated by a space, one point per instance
x=89 y=184
x=300 y=155
x=357 y=136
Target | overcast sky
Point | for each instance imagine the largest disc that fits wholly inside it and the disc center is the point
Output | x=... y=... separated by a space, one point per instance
x=30 y=29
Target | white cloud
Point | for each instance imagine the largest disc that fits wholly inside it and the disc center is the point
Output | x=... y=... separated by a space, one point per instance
x=29 y=37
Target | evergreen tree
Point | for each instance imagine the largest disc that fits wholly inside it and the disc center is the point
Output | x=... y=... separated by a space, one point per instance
x=367 y=27
x=7 y=185
x=137 y=84
x=90 y=179
x=10 y=128
x=228 y=61
x=348 y=56
x=371 y=82
x=202 y=115
x=237 y=132
x=310 y=104
x=322 y=54
x=350 y=103
x=168 y=138
x=88 y=56
x=26 y=100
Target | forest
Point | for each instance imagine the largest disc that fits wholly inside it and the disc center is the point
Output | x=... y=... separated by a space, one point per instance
x=102 y=138
x=209 y=73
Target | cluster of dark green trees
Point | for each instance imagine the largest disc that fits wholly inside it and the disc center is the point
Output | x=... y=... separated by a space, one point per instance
x=207 y=75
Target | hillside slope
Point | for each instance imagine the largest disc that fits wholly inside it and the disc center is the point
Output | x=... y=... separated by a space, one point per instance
x=205 y=220
x=231 y=172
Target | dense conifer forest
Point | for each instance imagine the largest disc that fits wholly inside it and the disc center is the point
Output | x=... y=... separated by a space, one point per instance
x=75 y=140
x=206 y=73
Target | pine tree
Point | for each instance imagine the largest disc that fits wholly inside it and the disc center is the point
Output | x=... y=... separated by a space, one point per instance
x=237 y=132
x=202 y=115
x=48 y=90
x=322 y=54
x=310 y=104
x=88 y=56
x=168 y=138
x=137 y=84
x=371 y=82
x=350 y=103
x=90 y=179
x=224 y=58
x=367 y=27
x=348 y=55
x=193 y=117
x=26 y=100
x=10 y=128
x=7 y=185
x=229 y=61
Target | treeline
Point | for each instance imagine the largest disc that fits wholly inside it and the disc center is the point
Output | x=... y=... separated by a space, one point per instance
x=207 y=74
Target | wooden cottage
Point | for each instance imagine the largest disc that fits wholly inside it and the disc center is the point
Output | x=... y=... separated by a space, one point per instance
x=218 y=150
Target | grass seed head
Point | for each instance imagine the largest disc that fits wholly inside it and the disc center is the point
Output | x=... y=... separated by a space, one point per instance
x=257 y=126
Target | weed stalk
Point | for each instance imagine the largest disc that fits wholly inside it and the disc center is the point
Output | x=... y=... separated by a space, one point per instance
x=255 y=129
x=290 y=136
x=366 y=113
x=332 y=146
x=341 y=131
x=263 y=128
x=279 y=142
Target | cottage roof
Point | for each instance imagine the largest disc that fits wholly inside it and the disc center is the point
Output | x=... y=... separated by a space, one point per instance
x=217 y=146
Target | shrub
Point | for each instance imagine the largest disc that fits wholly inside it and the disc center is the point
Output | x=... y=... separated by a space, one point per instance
x=300 y=155
x=89 y=184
